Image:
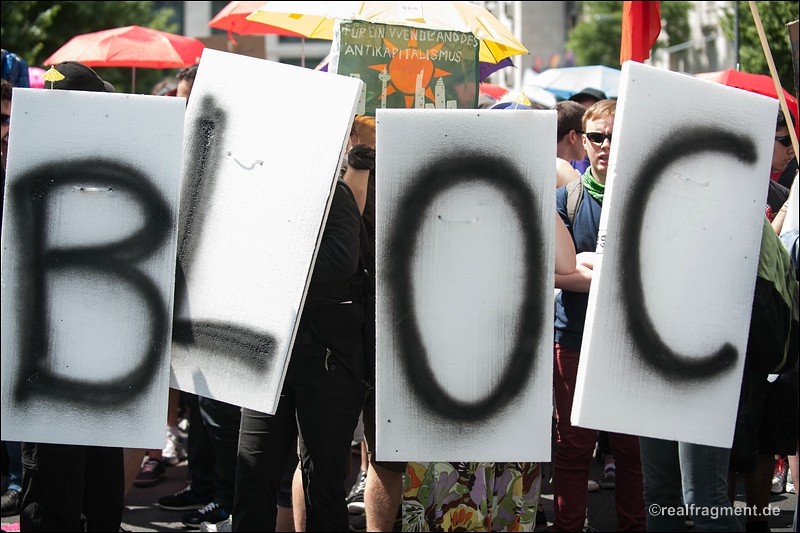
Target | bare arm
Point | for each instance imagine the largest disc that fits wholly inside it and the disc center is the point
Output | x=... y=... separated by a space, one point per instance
x=581 y=279
x=578 y=281
x=564 y=172
x=565 y=249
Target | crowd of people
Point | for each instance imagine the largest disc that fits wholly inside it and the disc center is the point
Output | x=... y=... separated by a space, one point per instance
x=252 y=471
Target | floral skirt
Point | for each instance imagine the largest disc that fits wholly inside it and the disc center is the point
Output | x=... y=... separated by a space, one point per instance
x=470 y=496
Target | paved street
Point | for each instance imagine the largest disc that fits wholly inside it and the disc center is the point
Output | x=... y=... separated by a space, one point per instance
x=142 y=512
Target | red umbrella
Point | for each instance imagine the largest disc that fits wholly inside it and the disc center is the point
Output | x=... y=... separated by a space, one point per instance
x=495 y=91
x=755 y=83
x=232 y=18
x=130 y=46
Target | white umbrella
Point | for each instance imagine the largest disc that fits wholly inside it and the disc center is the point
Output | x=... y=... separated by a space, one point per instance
x=564 y=82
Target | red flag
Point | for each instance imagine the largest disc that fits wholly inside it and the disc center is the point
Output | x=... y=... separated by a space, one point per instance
x=641 y=24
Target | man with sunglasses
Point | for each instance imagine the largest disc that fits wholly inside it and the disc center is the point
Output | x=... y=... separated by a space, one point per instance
x=784 y=162
x=575 y=445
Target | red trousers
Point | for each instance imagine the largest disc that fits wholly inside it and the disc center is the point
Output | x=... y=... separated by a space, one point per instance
x=574 y=455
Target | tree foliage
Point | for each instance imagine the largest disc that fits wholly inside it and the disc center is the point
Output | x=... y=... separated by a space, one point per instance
x=595 y=40
x=774 y=17
x=35 y=30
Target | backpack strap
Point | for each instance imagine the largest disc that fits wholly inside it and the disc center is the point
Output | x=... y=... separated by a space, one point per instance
x=574 y=197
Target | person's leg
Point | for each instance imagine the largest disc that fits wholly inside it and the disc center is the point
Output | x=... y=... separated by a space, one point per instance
x=298 y=500
x=52 y=487
x=705 y=486
x=104 y=491
x=266 y=442
x=12 y=497
x=758 y=487
x=574 y=450
x=285 y=520
x=14 y=465
x=629 y=497
x=222 y=421
x=355 y=500
x=383 y=491
x=662 y=484
x=793 y=467
x=383 y=497
x=201 y=452
x=329 y=399
x=133 y=463
x=174 y=451
x=201 y=459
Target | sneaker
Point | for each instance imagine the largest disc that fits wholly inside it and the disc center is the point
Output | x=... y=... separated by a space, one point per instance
x=184 y=500
x=609 y=478
x=358 y=523
x=789 y=483
x=594 y=486
x=213 y=512
x=10 y=500
x=226 y=526
x=151 y=473
x=174 y=452
x=183 y=428
x=779 y=476
x=355 y=500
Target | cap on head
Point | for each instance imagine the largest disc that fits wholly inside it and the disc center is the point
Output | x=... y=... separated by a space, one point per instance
x=589 y=93
x=79 y=77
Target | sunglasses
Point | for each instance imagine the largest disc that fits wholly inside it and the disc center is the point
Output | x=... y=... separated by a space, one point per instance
x=7 y=120
x=597 y=138
x=786 y=140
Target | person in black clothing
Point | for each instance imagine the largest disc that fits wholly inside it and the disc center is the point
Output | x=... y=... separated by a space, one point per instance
x=322 y=393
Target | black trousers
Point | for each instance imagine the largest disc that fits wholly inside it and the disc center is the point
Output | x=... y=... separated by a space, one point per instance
x=320 y=402
x=60 y=481
x=213 y=441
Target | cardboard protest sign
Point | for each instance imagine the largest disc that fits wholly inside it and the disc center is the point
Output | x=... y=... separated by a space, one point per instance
x=405 y=67
x=680 y=232
x=89 y=244
x=465 y=240
x=264 y=142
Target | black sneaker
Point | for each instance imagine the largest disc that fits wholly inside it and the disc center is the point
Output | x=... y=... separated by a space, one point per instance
x=355 y=500
x=185 y=500
x=151 y=474
x=11 y=500
x=212 y=512
x=358 y=523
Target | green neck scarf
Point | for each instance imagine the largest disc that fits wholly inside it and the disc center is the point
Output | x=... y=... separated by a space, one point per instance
x=594 y=188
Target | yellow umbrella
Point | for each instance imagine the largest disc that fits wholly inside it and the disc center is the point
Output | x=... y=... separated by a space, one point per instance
x=316 y=20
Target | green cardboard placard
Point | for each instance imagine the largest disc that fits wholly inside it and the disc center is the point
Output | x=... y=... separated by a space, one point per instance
x=405 y=67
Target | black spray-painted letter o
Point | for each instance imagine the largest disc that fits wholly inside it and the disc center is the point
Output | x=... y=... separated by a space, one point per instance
x=444 y=174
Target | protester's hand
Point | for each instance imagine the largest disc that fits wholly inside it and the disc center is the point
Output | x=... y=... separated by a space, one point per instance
x=361 y=157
